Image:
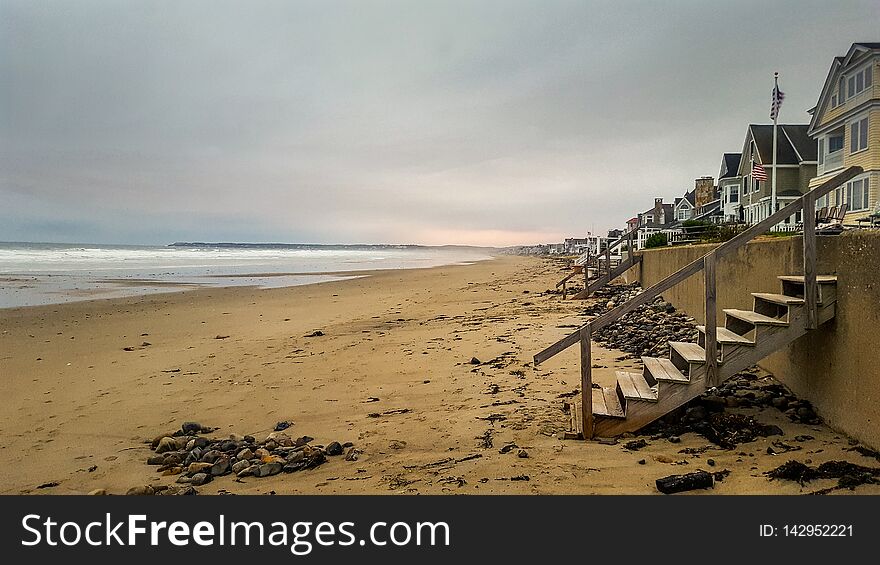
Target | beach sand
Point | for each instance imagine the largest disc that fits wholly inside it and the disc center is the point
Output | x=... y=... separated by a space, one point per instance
x=78 y=407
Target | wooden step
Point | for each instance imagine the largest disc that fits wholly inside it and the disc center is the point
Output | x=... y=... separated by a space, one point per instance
x=690 y=352
x=821 y=279
x=754 y=318
x=664 y=370
x=607 y=403
x=780 y=299
x=633 y=386
x=724 y=335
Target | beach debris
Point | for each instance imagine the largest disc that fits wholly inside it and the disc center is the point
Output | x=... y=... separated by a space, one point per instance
x=485 y=440
x=682 y=483
x=862 y=450
x=388 y=412
x=221 y=337
x=508 y=447
x=316 y=333
x=848 y=475
x=370 y=399
x=50 y=484
x=283 y=425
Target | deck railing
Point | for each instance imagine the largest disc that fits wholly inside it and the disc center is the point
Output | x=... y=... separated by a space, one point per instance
x=707 y=265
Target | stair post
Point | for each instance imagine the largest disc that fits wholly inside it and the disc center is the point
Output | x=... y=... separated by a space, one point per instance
x=586 y=383
x=711 y=350
x=811 y=288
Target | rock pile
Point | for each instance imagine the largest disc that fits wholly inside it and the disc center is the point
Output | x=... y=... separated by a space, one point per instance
x=197 y=460
x=647 y=329
x=610 y=296
x=706 y=414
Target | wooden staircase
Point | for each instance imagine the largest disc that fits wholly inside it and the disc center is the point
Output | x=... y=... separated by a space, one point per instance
x=746 y=337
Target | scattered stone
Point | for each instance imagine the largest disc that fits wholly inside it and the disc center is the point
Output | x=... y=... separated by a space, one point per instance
x=200 y=478
x=191 y=428
x=98 y=492
x=335 y=448
x=710 y=462
x=642 y=462
x=522 y=454
x=145 y=490
x=351 y=454
x=608 y=441
x=281 y=426
x=475 y=361
x=240 y=466
x=674 y=439
x=681 y=483
x=269 y=469
x=316 y=333
x=635 y=444
x=166 y=444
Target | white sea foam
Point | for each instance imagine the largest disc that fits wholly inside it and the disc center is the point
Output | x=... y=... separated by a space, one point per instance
x=50 y=273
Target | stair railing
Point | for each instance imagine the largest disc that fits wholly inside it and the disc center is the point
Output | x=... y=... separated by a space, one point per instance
x=707 y=265
x=610 y=273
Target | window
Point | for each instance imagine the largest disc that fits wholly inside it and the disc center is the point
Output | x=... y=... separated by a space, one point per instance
x=821 y=151
x=734 y=193
x=856 y=83
x=838 y=196
x=857 y=194
x=822 y=202
x=835 y=143
x=840 y=95
x=858 y=135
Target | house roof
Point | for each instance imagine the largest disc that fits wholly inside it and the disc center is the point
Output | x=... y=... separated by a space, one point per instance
x=709 y=209
x=691 y=196
x=729 y=165
x=837 y=66
x=794 y=146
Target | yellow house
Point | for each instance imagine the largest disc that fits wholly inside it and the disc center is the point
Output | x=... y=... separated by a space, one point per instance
x=846 y=125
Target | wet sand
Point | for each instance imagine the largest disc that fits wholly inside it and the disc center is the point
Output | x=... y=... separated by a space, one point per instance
x=78 y=406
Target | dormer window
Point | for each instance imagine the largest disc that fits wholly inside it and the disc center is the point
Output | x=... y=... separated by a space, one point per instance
x=856 y=83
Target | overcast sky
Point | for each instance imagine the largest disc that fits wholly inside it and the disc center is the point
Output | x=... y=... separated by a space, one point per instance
x=488 y=123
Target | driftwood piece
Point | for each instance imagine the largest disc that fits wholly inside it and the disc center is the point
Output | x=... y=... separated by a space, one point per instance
x=682 y=483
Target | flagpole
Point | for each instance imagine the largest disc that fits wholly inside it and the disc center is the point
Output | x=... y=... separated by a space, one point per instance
x=775 y=119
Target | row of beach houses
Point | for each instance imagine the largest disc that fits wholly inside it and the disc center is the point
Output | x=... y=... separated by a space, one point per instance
x=843 y=130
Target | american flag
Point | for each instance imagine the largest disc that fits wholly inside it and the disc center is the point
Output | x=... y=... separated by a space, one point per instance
x=778 y=97
x=758 y=172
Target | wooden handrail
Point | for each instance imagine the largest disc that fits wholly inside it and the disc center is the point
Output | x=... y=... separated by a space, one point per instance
x=706 y=264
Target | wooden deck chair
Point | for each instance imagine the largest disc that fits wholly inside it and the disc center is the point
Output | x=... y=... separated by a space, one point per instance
x=821 y=214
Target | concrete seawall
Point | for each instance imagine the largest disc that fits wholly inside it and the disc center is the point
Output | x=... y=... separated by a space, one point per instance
x=836 y=367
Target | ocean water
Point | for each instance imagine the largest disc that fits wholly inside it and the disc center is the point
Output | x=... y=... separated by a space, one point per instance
x=44 y=273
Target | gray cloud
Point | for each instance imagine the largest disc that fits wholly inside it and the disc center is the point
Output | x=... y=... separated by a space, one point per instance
x=432 y=122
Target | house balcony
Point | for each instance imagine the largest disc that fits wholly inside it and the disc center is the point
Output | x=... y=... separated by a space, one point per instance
x=832 y=162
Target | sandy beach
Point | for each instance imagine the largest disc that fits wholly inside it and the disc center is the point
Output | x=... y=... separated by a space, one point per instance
x=86 y=384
